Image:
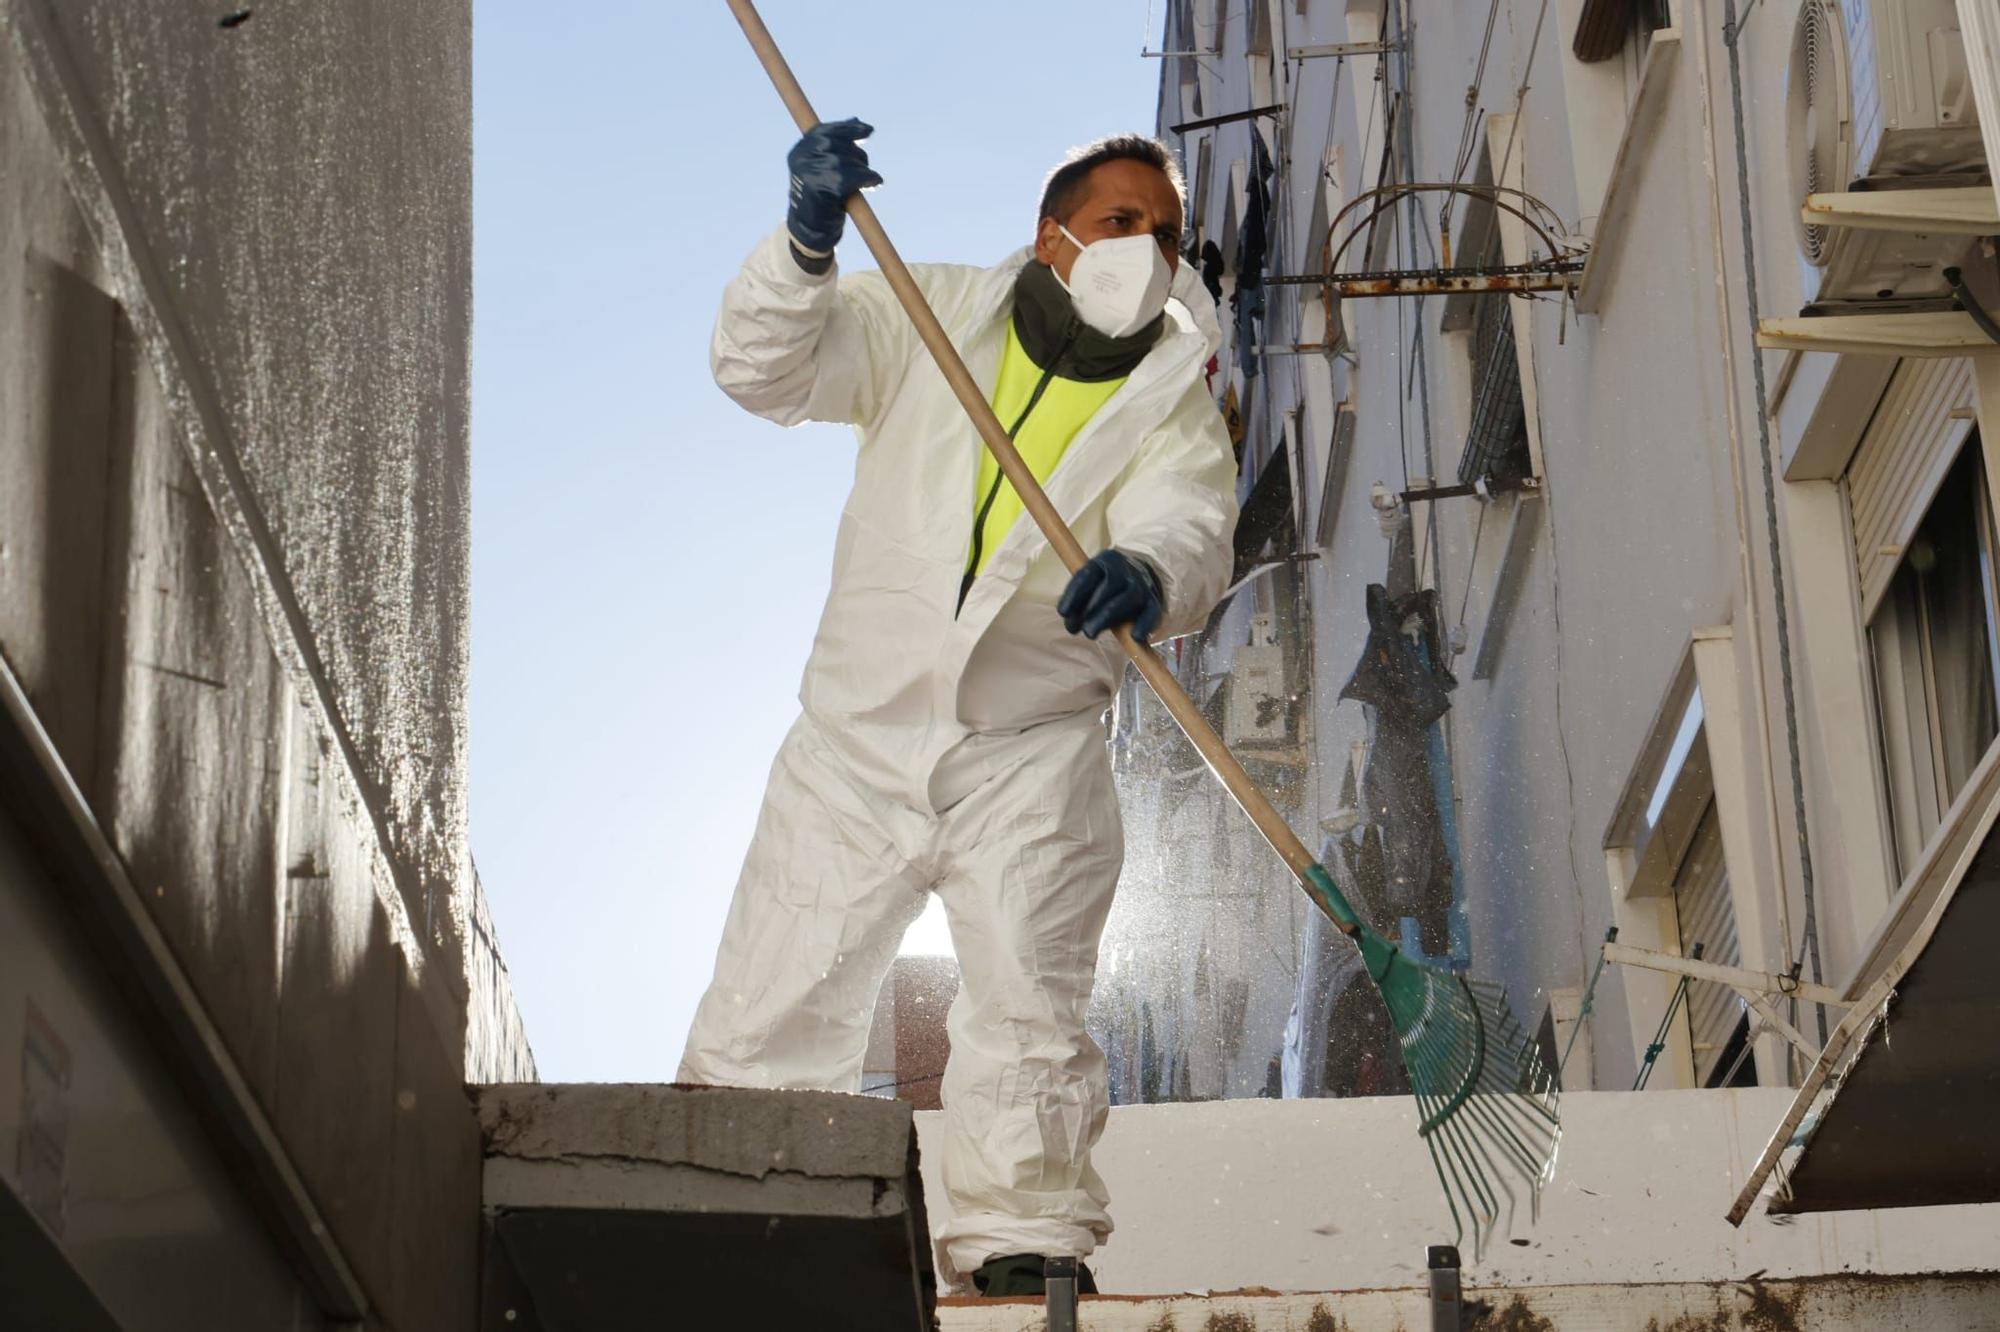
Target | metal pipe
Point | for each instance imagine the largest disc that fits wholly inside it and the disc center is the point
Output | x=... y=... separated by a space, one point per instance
x=1252 y=114
x=1447 y=1292
x=1731 y=37
x=1697 y=23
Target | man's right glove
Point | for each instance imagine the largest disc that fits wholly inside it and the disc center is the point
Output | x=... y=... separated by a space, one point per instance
x=828 y=164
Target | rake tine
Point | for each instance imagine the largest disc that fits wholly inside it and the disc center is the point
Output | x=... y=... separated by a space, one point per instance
x=1450 y=1200
x=1503 y=1136
x=1485 y=1098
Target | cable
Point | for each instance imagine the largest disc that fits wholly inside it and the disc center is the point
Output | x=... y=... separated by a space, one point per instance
x=1468 y=135
x=1955 y=279
x=1584 y=1007
x=1659 y=1042
x=1521 y=96
x=1429 y=560
x=1472 y=565
x=1731 y=31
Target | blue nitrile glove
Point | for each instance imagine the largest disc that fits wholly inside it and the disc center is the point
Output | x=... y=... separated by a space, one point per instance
x=827 y=165
x=1110 y=590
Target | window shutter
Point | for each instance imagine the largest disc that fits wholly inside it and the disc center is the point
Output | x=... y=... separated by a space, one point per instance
x=1708 y=917
x=1496 y=444
x=1924 y=417
x=1601 y=29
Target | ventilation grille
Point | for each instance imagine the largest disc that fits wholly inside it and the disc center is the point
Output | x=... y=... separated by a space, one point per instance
x=1817 y=116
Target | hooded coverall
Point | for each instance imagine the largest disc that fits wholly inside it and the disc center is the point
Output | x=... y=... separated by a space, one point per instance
x=955 y=748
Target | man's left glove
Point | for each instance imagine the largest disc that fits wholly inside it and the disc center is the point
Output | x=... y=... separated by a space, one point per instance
x=1110 y=590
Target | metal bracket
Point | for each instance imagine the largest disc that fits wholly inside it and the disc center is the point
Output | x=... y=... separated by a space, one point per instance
x=1059 y=1298
x=1756 y=987
x=1295 y=349
x=1252 y=114
x=1485 y=488
x=1338 y=50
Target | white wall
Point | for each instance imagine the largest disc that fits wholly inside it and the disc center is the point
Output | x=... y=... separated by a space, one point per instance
x=1340 y=1195
x=1651 y=527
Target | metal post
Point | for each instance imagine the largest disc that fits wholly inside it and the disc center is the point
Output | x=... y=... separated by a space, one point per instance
x=1059 y=1283
x=1445 y=1301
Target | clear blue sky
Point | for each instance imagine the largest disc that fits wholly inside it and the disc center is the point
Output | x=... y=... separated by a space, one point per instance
x=649 y=561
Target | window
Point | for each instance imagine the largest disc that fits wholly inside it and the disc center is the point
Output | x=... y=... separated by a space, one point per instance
x=1604 y=28
x=1672 y=892
x=1703 y=912
x=1935 y=656
x=1180 y=37
x=1259 y=42
x=1263 y=59
x=1339 y=450
x=1496 y=440
x=1616 y=74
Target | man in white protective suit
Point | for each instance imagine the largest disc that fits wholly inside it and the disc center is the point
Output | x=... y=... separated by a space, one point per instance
x=952 y=736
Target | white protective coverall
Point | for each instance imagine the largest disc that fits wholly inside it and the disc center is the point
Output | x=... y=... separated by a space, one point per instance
x=962 y=753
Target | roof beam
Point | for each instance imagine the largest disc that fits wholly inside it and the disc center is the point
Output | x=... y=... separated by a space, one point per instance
x=1930 y=333
x=1963 y=211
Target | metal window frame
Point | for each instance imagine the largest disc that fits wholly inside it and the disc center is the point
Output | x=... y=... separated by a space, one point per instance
x=1898 y=762
x=1339 y=451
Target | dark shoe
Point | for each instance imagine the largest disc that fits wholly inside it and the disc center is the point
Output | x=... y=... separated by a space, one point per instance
x=1020 y=1274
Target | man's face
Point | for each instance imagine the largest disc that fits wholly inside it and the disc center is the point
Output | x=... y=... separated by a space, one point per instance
x=1120 y=198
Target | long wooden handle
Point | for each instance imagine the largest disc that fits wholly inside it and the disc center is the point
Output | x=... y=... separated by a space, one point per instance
x=1199 y=732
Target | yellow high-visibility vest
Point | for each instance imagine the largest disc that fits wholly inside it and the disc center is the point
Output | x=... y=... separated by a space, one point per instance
x=1063 y=409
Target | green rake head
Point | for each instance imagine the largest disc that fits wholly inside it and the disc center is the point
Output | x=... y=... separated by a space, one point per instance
x=1486 y=1096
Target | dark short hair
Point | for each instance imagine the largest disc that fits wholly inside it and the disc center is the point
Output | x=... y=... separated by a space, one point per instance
x=1063 y=192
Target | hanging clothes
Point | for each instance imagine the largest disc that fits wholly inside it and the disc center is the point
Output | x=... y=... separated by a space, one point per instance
x=1402 y=682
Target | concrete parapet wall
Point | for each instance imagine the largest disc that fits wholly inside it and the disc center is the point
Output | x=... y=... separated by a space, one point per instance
x=613 y=1206
x=1821 y=1304
x=1340 y=1195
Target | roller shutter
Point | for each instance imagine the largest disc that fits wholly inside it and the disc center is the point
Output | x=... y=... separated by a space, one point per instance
x=1925 y=416
x=1708 y=917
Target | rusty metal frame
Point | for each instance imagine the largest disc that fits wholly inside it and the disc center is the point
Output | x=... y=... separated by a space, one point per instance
x=1505 y=279
x=1537 y=216
x=1559 y=271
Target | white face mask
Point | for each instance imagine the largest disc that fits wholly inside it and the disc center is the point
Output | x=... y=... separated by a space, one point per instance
x=1118 y=284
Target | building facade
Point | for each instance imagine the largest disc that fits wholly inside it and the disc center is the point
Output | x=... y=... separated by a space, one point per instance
x=1617 y=547
x=245 y=965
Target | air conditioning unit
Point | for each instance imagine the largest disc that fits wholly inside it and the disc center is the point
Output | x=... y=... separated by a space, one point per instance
x=1878 y=97
x=1258 y=710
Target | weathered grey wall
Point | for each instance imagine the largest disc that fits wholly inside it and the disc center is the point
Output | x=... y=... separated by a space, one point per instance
x=302 y=182
x=234 y=297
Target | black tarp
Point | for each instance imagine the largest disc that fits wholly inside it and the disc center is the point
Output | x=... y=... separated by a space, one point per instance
x=1405 y=686
x=1913 y=1122
x=1266 y=514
